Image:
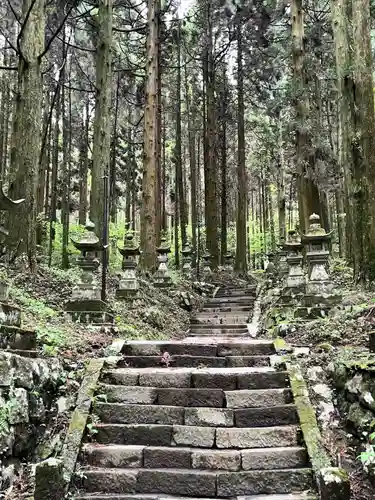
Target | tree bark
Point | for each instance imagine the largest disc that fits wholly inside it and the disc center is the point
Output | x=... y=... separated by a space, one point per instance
x=102 y=130
x=150 y=159
x=241 y=261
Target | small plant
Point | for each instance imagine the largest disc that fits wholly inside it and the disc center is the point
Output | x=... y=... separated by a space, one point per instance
x=367 y=457
x=166 y=358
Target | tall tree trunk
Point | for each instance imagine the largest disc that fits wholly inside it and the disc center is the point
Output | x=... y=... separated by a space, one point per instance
x=84 y=164
x=281 y=199
x=150 y=158
x=211 y=204
x=308 y=194
x=112 y=176
x=65 y=166
x=241 y=262
x=27 y=127
x=224 y=179
x=102 y=130
x=364 y=155
x=180 y=196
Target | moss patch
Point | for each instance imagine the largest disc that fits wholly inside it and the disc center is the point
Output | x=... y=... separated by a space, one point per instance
x=309 y=425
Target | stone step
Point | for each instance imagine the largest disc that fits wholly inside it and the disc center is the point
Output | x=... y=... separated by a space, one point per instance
x=184 y=348
x=223 y=378
x=219 y=318
x=246 y=299
x=303 y=496
x=120 y=413
x=293 y=496
x=196 y=436
x=202 y=332
x=195 y=396
x=123 y=456
x=23 y=352
x=232 y=292
x=227 y=326
x=212 y=308
x=194 y=361
x=188 y=482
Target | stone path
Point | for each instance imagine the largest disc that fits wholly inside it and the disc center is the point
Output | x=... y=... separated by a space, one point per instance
x=218 y=422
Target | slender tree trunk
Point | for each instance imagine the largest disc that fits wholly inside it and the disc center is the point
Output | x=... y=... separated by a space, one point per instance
x=308 y=194
x=112 y=176
x=364 y=149
x=224 y=179
x=27 y=128
x=65 y=166
x=241 y=263
x=150 y=163
x=211 y=204
x=102 y=120
x=84 y=165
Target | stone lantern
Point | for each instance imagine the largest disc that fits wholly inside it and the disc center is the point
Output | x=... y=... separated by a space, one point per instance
x=296 y=278
x=316 y=241
x=162 y=278
x=187 y=258
x=282 y=264
x=228 y=262
x=207 y=271
x=129 y=285
x=85 y=304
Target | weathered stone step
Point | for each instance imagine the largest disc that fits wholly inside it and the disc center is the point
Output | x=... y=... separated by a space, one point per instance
x=190 y=482
x=194 y=361
x=292 y=496
x=225 y=292
x=120 y=413
x=179 y=348
x=233 y=308
x=242 y=334
x=195 y=396
x=226 y=326
x=246 y=299
x=123 y=456
x=223 y=378
x=23 y=352
x=219 y=318
x=196 y=436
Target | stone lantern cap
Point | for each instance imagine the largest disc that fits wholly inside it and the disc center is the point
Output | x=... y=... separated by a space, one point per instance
x=315 y=231
x=89 y=242
x=164 y=247
x=186 y=250
x=130 y=247
x=294 y=240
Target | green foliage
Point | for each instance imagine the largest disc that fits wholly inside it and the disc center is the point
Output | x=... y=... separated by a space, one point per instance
x=369 y=455
x=52 y=338
x=36 y=307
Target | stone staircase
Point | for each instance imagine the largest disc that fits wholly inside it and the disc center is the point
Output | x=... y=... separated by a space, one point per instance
x=217 y=422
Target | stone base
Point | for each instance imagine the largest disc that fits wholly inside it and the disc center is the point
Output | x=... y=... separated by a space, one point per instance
x=85 y=305
x=122 y=294
x=12 y=337
x=165 y=283
x=10 y=315
x=92 y=317
x=310 y=313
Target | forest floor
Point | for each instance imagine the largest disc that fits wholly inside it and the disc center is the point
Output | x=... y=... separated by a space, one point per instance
x=157 y=314
x=347 y=330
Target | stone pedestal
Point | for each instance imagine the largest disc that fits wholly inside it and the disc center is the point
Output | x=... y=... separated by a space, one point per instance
x=207 y=271
x=187 y=258
x=282 y=264
x=295 y=280
x=162 y=278
x=320 y=296
x=229 y=262
x=129 y=285
x=85 y=305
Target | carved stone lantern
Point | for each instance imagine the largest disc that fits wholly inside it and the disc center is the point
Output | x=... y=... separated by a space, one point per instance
x=228 y=262
x=86 y=305
x=296 y=278
x=282 y=264
x=129 y=285
x=207 y=271
x=187 y=258
x=317 y=254
x=162 y=278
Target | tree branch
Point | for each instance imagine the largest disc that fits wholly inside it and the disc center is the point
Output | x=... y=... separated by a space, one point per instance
x=56 y=32
x=24 y=23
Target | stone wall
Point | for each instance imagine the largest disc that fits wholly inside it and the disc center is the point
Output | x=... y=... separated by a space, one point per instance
x=353 y=373
x=28 y=388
